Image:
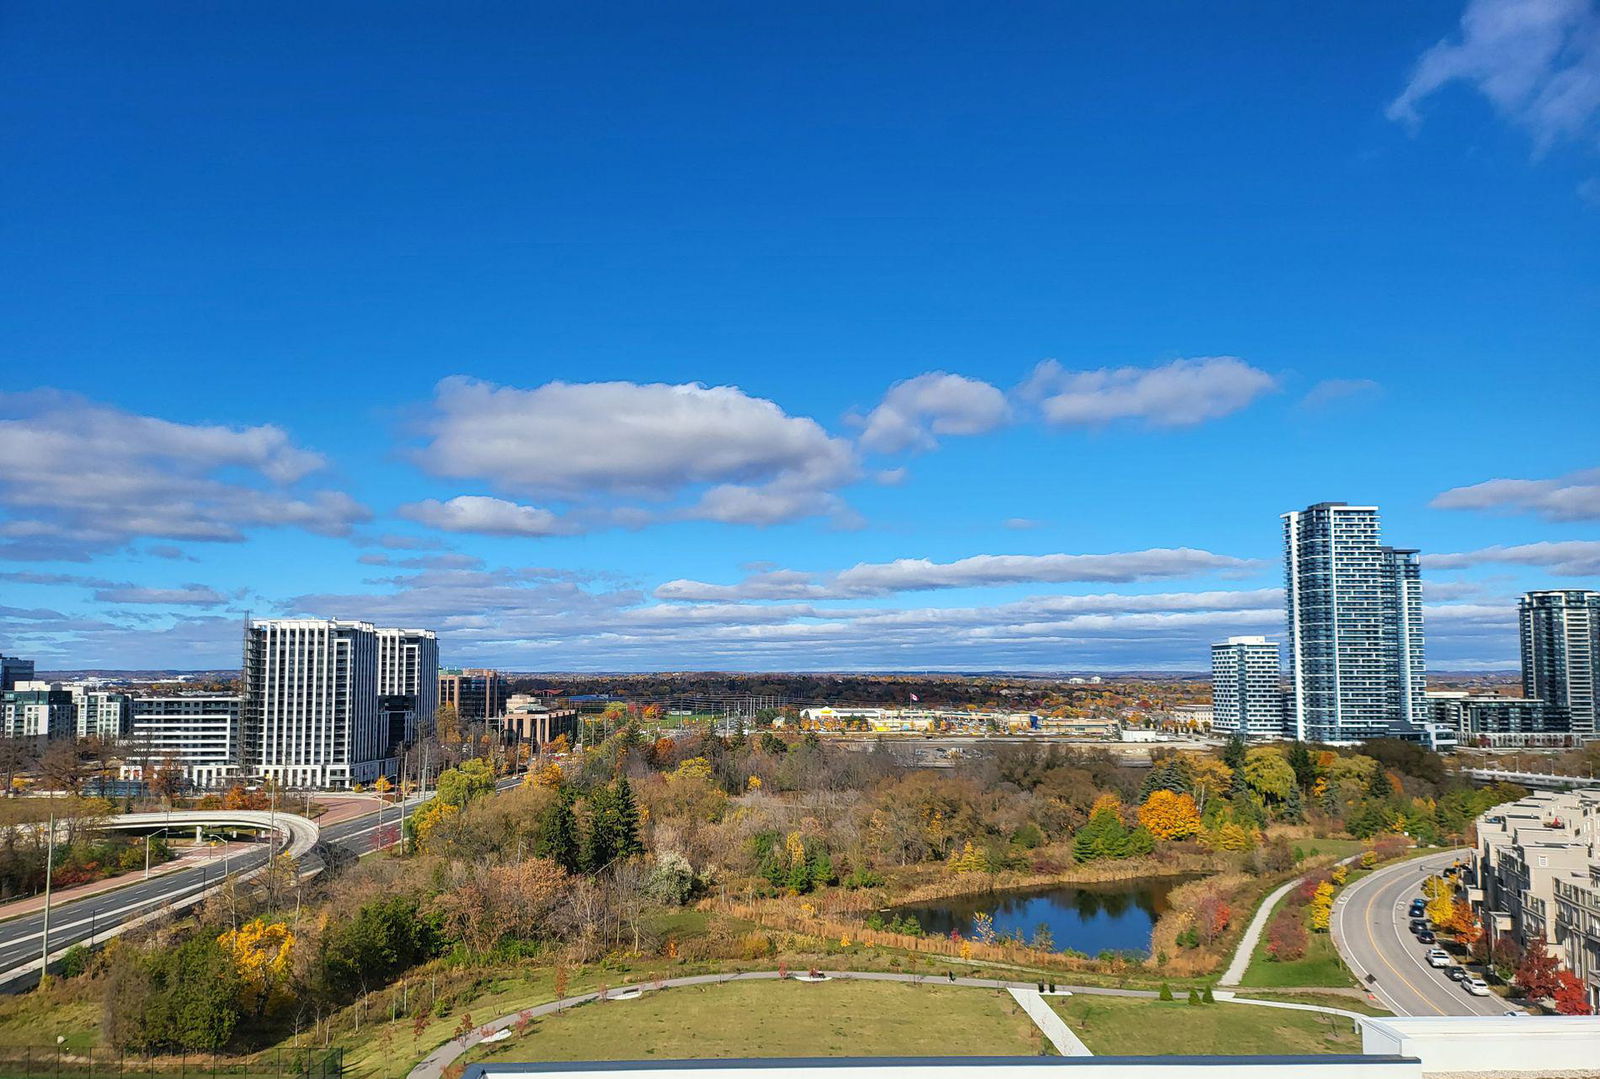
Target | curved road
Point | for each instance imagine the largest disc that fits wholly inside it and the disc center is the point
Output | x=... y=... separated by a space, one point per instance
x=74 y=922
x=1371 y=928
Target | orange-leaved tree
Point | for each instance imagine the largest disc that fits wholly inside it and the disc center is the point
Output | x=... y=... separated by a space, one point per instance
x=1170 y=815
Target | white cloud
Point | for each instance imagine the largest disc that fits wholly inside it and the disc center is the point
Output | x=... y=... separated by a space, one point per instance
x=919 y=574
x=1537 y=61
x=591 y=444
x=189 y=595
x=1021 y=524
x=1565 y=558
x=1574 y=497
x=488 y=516
x=1178 y=394
x=80 y=477
x=935 y=403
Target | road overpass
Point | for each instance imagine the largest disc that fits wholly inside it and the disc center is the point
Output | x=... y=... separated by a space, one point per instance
x=1543 y=780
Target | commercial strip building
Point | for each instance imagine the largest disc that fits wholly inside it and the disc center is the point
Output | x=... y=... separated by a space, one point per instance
x=1488 y=720
x=1354 y=608
x=1245 y=695
x=1537 y=877
x=535 y=720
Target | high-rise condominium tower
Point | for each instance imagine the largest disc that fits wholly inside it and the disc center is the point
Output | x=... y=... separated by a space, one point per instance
x=1244 y=688
x=1561 y=651
x=1355 y=626
x=408 y=665
x=310 y=711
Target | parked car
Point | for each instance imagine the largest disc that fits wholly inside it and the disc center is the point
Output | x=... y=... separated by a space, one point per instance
x=1476 y=986
x=1417 y=907
x=1438 y=957
x=1419 y=925
x=1458 y=974
x=1426 y=937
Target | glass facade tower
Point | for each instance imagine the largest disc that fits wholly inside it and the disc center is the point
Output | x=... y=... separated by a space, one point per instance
x=1354 y=607
x=1245 y=697
x=1560 y=653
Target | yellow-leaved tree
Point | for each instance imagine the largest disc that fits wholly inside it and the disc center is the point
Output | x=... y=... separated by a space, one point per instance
x=1322 y=907
x=261 y=952
x=1170 y=815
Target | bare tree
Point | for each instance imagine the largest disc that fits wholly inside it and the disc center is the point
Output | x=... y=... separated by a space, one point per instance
x=62 y=767
x=16 y=755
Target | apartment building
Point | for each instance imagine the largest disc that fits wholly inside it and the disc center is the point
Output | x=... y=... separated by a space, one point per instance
x=14 y=670
x=1537 y=866
x=41 y=711
x=1486 y=719
x=1355 y=626
x=1245 y=696
x=196 y=734
x=408 y=667
x=1561 y=654
x=310 y=716
x=101 y=713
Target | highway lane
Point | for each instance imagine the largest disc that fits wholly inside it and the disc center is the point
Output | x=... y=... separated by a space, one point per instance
x=86 y=920
x=1370 y=927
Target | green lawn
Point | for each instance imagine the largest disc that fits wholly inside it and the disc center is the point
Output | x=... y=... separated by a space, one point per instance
x=1320 y=966
x=1120 y=1026
x=1325 y=1000
x=783 y=1019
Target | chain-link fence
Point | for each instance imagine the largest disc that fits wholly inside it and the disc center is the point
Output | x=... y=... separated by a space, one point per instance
x=52 y=1062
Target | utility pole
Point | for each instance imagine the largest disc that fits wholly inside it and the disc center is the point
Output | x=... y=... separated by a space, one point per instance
x=49 y=871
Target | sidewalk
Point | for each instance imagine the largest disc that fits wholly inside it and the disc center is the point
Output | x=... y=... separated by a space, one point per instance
x=189 y=858
x=1258 y=924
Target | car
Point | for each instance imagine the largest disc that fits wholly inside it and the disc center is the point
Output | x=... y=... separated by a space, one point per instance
x=1476 y=986
x=1417 y=907
x=1418 y=925
x=1426 y=937
x=1514 y=1011
x=1458 y=974
x=1438 y=957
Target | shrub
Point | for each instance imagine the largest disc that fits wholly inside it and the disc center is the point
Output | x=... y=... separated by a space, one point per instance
x=1166 y=992
x=1194 y=995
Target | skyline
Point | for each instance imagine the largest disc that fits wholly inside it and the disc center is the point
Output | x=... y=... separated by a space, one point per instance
x=987 y=342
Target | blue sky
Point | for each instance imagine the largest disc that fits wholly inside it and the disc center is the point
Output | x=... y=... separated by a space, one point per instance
x=932 y=336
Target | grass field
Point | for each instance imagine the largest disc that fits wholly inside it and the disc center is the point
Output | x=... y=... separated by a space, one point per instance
x=783 y=1019
x=1325 y=1000
x=1120 y=1026
x=1320 y=966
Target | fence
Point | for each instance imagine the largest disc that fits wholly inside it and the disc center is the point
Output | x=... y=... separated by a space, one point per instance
x=52 y=1062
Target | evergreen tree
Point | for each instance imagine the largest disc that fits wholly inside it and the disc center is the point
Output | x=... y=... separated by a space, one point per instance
x=1378 y=785
x=1294 y=807
x=1172 y=774
x=1233 y=752
x=558 y=833
x=1305 y=769
x=1166 y=992
x=626 y=820
x=599 y=839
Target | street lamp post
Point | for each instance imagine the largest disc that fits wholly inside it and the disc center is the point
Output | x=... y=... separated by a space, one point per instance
x=49 y=871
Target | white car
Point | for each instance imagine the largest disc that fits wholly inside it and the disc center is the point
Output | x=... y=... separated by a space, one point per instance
x=1477 y=987
x=1438 y=957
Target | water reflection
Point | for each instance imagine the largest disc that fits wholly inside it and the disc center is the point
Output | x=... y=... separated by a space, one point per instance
x=1088 y=918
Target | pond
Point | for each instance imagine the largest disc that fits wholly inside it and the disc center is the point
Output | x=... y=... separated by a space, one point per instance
x=1088 y=918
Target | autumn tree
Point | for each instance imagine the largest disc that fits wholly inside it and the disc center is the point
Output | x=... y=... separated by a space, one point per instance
x=1322 y=907
x=1268 y=774
x=261 y=952
x=62 y=767
x=1169 y=815
x=1537 y=974
x=1570 y=996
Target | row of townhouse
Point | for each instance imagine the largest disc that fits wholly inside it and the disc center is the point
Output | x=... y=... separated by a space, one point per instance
x=1537 y=878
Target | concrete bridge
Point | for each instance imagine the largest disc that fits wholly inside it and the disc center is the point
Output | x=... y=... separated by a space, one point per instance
x=295 y=833
x=1545 y=780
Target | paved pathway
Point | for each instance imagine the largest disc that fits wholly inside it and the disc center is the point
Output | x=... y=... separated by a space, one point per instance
x=451 y=1051
x=1247 y=945
x=1049 y=1023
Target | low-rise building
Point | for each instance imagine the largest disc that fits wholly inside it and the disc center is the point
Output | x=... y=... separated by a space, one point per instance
x=534 y=720
x=1486 y=719
x=196 y=734
x=1536 y=866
